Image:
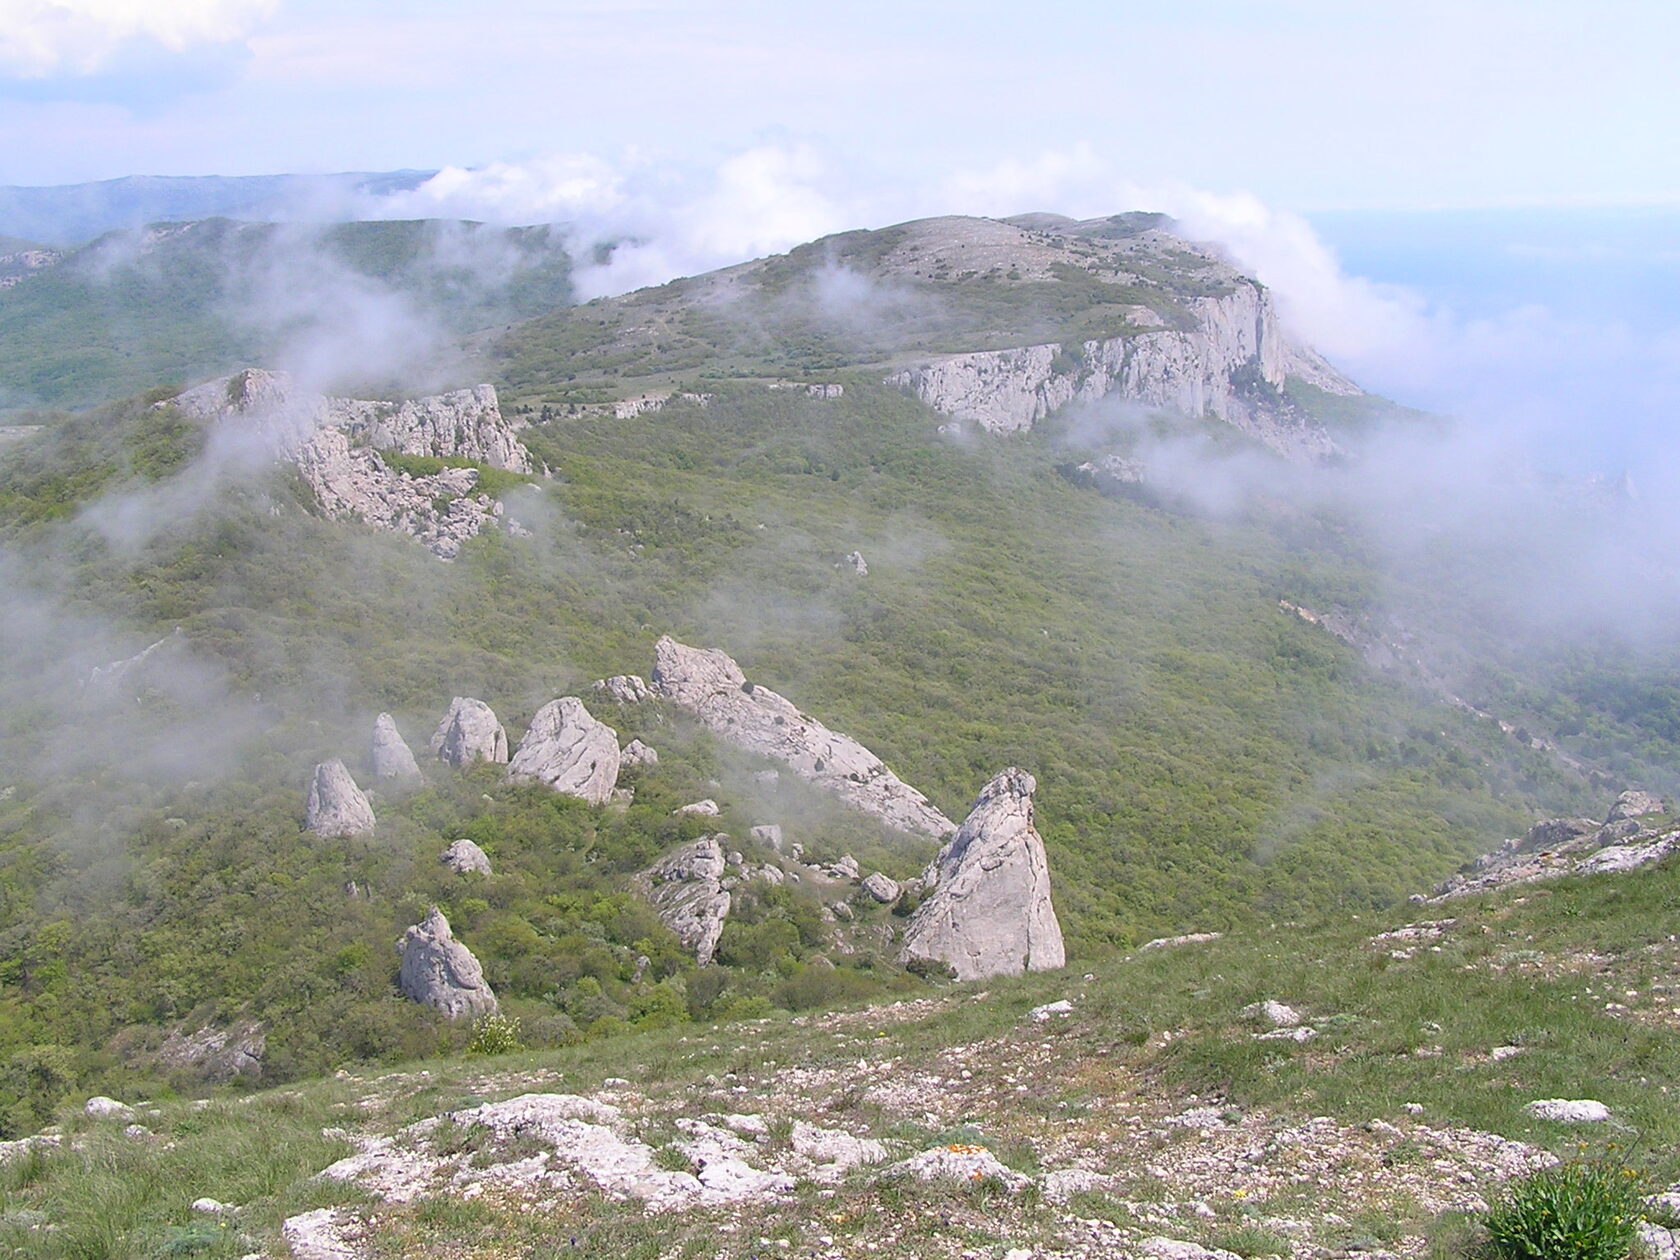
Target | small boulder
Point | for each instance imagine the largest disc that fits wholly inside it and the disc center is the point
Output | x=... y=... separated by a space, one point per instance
x=858 y=564
x=637 y=754
x=464 y=857
x=703 y=809
x=846 y=868
x=882 y=889
x=624 y=688
x=102 y=1108
x=470 y=732
x=440 y=972
x=1274 y=1013
x=1569 y=1110
x=336 y=806
x=392 y=757
x=568 y=751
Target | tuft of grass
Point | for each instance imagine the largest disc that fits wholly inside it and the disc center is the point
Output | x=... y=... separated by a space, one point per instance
x=1580 y=1210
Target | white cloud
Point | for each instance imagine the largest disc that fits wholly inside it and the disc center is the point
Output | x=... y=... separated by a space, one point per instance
x=40 y=38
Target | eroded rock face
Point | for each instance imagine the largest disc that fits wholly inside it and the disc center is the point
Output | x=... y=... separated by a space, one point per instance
x=440 y=972
x=217 y=1055
x=685 y=888
x=624 y=688
x=989 y=910
x=469 y=732
x=392 y=757
x=637 y=753
x=1635 y=804
x=711 y=686
x=336 y=806
x=1231 y=363
x=567 y=750
x=335 y=444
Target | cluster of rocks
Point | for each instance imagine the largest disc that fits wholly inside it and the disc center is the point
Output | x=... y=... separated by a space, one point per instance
x=1556 y=847
x=335 y=444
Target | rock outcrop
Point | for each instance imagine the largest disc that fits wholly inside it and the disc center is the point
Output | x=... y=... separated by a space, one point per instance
x=637 y=753
x=1635 y=804
x=440 y=972
x=336 y=806
x=624 y=688
x=392 y=758
x=711 y=686
x=989 y=910
x=336 y=445
x=1569 y=846
x=217 y=1055
x=685 y=888
x=465 y=858
x=1231 y=361
x=469 y=732
x=567 y=750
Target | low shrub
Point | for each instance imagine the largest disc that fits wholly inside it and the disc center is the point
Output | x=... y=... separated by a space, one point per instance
x=1581 y=1210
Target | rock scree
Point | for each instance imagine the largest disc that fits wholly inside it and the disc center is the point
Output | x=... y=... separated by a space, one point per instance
x=988 y=912
x=711 y=686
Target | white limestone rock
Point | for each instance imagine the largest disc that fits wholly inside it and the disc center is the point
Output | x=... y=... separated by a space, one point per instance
x=102 y=1108
x=469 y=732
x=707 y=808
x=440 y=972
x=568 y=751
x=989 y=910
x=685 y=888
x=1635 y=804
x=392 y=757
x=324 y=1234
x=465 y=858
x=637 y=754
x=1569 y=1110
x=882 y=888
x=336 y=806
x=858 y=564
x=711 y=686
x=1272 y=1012
x=964 y=1166
x=624 y=688
x=834 y=1151
x=1173 y=942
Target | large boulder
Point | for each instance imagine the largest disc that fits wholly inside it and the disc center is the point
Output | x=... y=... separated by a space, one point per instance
x=1635 y=804
x=392 y=757
x=465 y=858
x=568 y=751
x=685 y=888
x=442 y=973
x=336 y=806
x=711 y=686
x=470 y=732
x=989 y=910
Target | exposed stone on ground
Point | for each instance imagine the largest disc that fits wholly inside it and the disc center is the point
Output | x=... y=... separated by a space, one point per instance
x=335 y=444
x=962 y=1163
x=1567 y=846
x=469 y=732
x=336 y=806
x=882 y=888
x=569 y=751
x=1064 y=1183
x=707 y=808
x=464 y=858
x=1162 y=1248
x=1659 y=1242
x=1042 y=1014
x=1171 y=942
x=1569 y=1110
x=989 y=912
x=637 y=754
x=1273 y=1012
x=711 y=686
x=834 y=1150
x=846 y=868
x=1635 y=804
x=624 y=688
x=858 y=564
x=770 y=834
x=102 y=1108
x=324 y=1234
x=685 y=888
x=1109 y=474
x=217 y=1054
x=440 y=972
x=132 y=671
x=1298 y=1033
x=392 y=757
x=209 y=1207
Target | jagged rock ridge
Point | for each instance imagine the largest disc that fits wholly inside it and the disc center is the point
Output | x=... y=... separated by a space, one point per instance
x=335 y=444
x=710 y=685
x=989 y=910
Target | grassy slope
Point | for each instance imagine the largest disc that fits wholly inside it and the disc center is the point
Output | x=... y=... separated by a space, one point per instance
x=1150 y=1036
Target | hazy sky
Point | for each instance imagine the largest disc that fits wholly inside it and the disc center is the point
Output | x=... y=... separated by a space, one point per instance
x=1306 y=103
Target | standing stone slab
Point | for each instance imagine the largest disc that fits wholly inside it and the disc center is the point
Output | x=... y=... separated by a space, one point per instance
x=392 y=757
x=989 y=911
x=568 y=751
x=470 y=732
x=336 y=806
x=440 y=972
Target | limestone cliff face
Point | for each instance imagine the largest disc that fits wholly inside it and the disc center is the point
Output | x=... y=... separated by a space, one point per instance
x=989 y=913
x=1230 y=364
x=335 y=444
x=710 y=685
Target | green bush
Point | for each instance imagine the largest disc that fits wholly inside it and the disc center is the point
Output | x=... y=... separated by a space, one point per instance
x=1582 y=1210
x=495 y=1034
